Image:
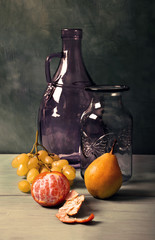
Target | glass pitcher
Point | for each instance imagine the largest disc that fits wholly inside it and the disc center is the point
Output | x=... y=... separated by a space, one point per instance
x=105 y=121
x=65 y=99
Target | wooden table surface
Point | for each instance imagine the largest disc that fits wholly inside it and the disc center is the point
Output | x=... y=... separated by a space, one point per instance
x=129 y=215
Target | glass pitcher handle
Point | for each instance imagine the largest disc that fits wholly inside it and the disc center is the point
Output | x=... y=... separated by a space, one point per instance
x=47 y=65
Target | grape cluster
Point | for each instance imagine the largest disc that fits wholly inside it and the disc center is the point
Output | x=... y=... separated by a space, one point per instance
x=30 y=165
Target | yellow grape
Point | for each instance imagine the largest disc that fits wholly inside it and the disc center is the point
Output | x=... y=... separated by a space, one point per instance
x=33 y=162
x=23 y=158
x=24 y=186
x=22 y=170
x=30 y=155
x=68 y=167
x=32 y=173
x=54 y=164
x=42 y=154
x=69 y=173
x=61 y=163
x=55 y=157
x=44 y=169
x=48 y=160
x=55 y=168
x=15 y=163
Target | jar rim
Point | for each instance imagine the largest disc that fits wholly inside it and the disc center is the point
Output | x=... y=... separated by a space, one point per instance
x=107 y=88
x=71 y=33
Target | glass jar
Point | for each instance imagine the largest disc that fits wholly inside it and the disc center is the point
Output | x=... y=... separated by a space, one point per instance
x=105 y=121
x=65 y=99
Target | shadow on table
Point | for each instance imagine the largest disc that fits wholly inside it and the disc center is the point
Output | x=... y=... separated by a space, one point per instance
x=85 y=212
x=139 y=187
x=79 y=183
x=132 y=195
x=143 y=178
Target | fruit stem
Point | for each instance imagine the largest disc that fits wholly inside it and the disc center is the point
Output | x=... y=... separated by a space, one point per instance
x=112 y=149
x=36 y=144
x=32 y=149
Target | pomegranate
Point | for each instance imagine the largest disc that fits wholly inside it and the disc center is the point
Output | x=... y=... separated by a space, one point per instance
x=50 y=188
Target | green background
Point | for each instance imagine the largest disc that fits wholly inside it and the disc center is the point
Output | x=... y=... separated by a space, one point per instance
x=118 y=48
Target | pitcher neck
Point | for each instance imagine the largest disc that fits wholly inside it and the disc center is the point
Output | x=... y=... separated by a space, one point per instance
x=72 y=49
x=71 y=44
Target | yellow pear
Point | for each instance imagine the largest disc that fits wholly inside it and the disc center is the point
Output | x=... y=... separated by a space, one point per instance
x=103 y=177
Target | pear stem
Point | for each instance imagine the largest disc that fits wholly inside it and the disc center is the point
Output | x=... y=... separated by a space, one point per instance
x=112 y=149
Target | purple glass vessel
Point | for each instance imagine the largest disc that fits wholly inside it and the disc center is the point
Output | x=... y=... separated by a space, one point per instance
x=65 y=99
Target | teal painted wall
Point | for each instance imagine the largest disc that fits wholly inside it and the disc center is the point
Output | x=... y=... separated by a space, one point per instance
x=118 y=48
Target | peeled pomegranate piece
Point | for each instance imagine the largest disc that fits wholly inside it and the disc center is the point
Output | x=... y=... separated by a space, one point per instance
x=66 y=219
x=71 y=207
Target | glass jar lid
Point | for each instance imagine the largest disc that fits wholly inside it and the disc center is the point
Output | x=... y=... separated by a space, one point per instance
x=107 y=88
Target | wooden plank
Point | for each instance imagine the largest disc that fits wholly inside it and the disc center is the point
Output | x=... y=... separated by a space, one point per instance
x=130 y=214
